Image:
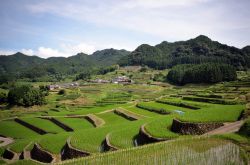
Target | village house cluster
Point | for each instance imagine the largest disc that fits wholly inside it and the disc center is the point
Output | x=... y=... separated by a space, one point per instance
x=116 y=80
x=66 y=85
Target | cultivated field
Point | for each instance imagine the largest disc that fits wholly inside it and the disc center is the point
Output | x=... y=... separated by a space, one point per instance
x=97 y=118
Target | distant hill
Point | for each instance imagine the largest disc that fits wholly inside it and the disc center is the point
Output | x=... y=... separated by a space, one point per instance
x=33 y=66
x=194 y=51
x=164 y=55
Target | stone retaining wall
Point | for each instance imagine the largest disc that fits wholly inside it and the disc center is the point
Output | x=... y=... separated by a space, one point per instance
x=125 y=115
x=68 y=152
x=59 y=124
x=37 y=153
x=32 y=127
x=146 y=138
x=24 y=155
x=96 y=121
x=107 y=146
x=8 y=154
x=188 y=128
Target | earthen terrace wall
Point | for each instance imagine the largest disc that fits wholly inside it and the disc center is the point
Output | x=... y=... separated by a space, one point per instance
x=188 y=128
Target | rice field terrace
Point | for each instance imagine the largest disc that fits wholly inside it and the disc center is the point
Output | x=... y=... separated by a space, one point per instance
x=120 y=124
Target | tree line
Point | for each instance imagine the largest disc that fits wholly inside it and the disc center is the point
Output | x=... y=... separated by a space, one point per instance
x=25 y=95
x=201 y=73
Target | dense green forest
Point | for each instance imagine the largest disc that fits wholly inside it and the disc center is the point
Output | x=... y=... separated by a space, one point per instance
x=201 y=73
x=34 y=68
x=26 y=95
x=194 y=51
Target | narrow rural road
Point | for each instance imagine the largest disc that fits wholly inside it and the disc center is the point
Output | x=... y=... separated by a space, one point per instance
x=5 y=141
x=227 y=128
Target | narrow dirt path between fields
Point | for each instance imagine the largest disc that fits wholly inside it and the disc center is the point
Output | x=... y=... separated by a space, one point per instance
x=227 y=128
x=106 y=111
x=5 y=141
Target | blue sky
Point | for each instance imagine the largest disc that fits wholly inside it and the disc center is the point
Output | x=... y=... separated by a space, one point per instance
x=63 y=28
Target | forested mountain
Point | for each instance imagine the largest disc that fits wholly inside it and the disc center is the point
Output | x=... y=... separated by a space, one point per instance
x=200 y=50
x=201 y=73
x=194 y=51
x=20 y=65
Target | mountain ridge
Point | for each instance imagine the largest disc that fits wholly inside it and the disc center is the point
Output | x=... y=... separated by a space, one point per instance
x=193 y=51
x=200 y=49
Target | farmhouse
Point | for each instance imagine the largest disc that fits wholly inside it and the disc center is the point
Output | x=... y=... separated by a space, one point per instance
x=100 y=81
x=69 y=85
x=66 y=85
x=122 y=80
x=52 y=87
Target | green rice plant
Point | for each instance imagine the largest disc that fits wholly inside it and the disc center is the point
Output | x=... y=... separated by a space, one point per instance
x=161 y=108
x=215 y=113
x=184 y=151
x=178 y=103
x=152 y=109
x=125 y=137
x=2 y=150
x=234 y=137
x=2 y=161
x=25 y=162
x=140 y=111
x=54 y=143
x=68 y=97
x=20 y=144
x=115 y=97
x=15 y=130
x=127 y=114
x=75 y=123
x=209 y=95
x=43 y=124
x=90 y=140
x=111 y=118
x=93 y=110
x=160 y=128
x=211 y=100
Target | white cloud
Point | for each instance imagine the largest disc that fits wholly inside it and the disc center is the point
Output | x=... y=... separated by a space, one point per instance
x=81 y=47
x=166 y=19
x=66 y=50
x=29 y=52
x=161 y=3
x=49 y=52
x=7 y=52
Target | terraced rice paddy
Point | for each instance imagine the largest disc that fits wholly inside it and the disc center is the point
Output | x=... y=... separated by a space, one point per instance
x=15 y=130
x=76 y=123
x=43 y=124
x=111 y=118
x=122 y=132
x=196 y=151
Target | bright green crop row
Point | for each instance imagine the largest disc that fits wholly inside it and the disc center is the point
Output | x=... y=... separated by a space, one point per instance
x=76 y=123
x=19 y=144
x=15 y=130
x=111 y=118
x=185 y=151
x=54 y=143
x=215 y=113
x=160 y=108
x=44 y=124
x=125 y=136
x=160 y=127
